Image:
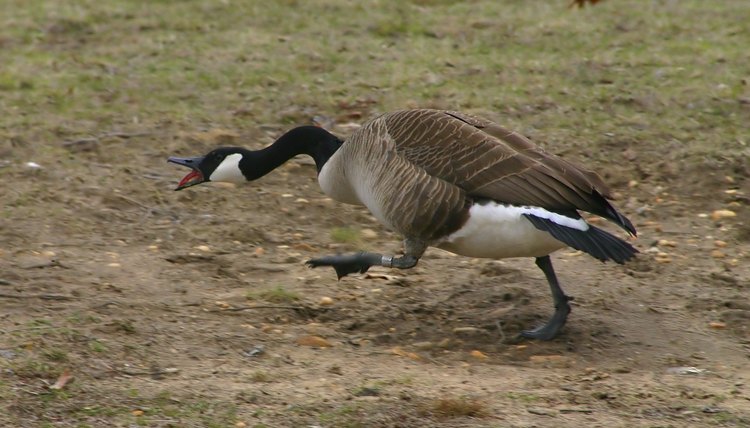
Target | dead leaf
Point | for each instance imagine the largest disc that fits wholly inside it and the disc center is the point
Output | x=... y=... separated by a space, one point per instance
x=400 y=352
x=314 y=341
x=478 y=355
x=63 y=380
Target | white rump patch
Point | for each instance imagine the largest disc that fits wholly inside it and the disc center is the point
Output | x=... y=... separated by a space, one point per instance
x=560 y=219
x=229 y=170
x=499 y=231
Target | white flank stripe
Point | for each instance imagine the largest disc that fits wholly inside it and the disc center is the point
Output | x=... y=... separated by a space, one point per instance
x=499 y=231
x=549 y=215
x=229 y=170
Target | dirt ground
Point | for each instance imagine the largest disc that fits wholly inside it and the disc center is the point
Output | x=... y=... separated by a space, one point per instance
x=199 y=301
x=195 y=308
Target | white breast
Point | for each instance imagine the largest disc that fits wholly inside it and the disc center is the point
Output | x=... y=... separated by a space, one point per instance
x=500 y=231
x=334 y=182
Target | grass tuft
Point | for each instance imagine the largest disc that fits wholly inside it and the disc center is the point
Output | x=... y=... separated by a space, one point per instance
x=456 y=407
x=345 y=235
x=276 y=295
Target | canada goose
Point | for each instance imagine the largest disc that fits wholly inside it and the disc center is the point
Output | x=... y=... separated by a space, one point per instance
x=448 y=180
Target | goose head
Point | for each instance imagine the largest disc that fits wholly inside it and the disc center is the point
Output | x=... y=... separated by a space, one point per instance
x=222 y=165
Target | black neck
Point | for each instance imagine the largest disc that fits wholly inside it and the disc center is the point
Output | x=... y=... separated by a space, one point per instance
x=304 y=140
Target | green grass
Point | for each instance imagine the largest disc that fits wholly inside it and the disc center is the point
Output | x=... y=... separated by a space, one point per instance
x=456 y=407
x=97 y=346
x=277 y=294
x=345 y=235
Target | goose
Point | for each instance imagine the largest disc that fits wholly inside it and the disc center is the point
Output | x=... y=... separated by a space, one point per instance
x=449 y=180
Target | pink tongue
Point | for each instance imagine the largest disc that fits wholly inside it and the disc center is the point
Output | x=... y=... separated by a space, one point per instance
x=189 y=177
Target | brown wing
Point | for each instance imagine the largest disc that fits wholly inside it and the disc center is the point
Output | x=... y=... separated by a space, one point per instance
x=488 y=161
x=400 y=193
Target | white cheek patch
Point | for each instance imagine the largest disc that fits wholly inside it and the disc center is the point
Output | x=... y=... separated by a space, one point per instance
x=229 y=170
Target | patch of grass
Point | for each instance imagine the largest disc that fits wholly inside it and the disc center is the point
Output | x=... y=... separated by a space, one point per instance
x=345 y=235
x=455 y=407
x=97 y=346
x=31 y=368
x=276 y=295
x=124 y=326
x=79 y=318
x=347 y=415
x=54 y=354
x=261 y=377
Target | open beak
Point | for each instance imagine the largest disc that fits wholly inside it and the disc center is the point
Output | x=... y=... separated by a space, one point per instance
x=194 y=177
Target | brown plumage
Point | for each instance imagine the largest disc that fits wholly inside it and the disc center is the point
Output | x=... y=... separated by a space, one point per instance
x=425 y=167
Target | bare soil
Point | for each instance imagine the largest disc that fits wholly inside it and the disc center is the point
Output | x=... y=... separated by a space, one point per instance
x=166 y=305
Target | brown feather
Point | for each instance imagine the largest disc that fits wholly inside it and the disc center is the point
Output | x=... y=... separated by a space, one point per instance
x=425 y=167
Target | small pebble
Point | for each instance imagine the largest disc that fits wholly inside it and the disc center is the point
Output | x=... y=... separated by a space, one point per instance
x=400 y=352
x=240 y=424
x=720 y=214
x=137 y=412
x=424 y=346
x=114 y=265
x=302 y=201
x=666 y=243
x=204 y=248
x=223 y=305
x=325 y=301
x=717 y=325
x=224 y=184
x=467 y=330
x=259 y=252
x=368 y=234
x=718 y=254
x=445 y=343
x=685 y=370
x=720 y=244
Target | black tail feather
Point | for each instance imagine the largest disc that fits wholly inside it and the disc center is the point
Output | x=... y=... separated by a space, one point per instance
x=598 y=243
x=610 y=213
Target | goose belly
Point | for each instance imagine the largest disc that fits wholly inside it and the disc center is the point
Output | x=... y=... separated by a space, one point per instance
x=500 y=231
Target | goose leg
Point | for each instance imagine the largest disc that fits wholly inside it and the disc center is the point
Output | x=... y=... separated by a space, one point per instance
x=345 y=264
x=562 y=308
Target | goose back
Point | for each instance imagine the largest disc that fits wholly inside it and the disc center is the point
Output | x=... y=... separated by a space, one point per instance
x=419 y=171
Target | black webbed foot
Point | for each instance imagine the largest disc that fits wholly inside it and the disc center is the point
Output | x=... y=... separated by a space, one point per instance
x=344 y=264
x=549 y=330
